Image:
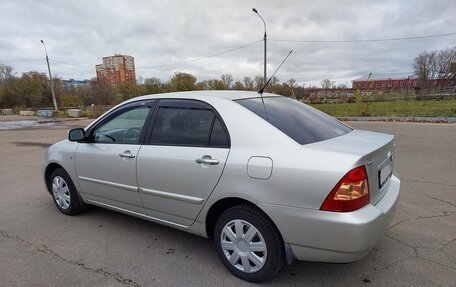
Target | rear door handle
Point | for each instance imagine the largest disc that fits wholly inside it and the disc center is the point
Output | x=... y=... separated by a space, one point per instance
x=207 y=160
x=127 y=154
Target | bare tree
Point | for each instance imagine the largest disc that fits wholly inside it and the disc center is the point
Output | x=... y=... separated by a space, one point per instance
x=326 y=84
x=238 y=86
x=6 y=72
x=435 y=65
x=446 y=59
x=248 y=83
x=425 y=66
x=259 y=82
x=99 y=92
x=342 y=86
x=292 y=83
x=274 y=81
x=227 y=80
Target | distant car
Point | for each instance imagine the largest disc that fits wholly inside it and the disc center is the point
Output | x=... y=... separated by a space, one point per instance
x=268 y=178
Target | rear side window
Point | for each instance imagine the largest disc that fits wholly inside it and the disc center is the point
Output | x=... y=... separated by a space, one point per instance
x=218 y=136
x=300 y=122
x=180 y=126
x=188 y=123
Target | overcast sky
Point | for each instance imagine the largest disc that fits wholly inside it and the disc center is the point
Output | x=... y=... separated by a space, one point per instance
x=163 y=32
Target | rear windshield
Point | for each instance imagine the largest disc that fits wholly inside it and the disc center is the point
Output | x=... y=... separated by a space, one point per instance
x=300 y=122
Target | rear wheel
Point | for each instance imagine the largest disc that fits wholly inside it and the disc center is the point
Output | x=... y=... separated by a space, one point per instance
x=249 y=244
x=64 y=192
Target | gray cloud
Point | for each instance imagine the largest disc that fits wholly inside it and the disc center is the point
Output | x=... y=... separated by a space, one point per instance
x=162 y=32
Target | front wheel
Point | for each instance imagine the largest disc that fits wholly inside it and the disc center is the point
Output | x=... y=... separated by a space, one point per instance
x=249 y=244
x=64 y=192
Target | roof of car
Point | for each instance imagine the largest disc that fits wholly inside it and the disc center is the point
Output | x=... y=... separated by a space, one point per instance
x=231 y=95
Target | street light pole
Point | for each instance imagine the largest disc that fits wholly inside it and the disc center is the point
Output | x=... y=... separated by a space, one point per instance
x=264 y=39
x=50 y=77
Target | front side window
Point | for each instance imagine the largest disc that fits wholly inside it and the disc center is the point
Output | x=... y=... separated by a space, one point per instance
x=125 y=128
x=297 y=120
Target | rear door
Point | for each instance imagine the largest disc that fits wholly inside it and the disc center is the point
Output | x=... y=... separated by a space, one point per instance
x=182 y=161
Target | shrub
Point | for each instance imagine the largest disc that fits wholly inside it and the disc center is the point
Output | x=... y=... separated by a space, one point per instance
x=364 y=107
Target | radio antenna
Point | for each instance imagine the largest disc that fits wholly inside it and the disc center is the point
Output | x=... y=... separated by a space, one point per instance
x=267 y=83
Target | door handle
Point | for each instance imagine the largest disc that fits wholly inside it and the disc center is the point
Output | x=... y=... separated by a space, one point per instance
x=207 y=160
x=127 y=154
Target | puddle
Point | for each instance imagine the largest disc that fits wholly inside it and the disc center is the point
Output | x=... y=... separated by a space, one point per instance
x=12 y=125
x=39 y=144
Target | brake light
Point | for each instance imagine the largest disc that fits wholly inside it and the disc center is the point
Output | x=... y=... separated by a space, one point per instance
x=350 y=193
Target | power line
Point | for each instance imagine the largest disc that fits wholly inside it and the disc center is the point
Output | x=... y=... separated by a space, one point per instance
x=246 y=45
x=352 y=76
x=170 y=64
x=365 y=40
x=249 y=44
x=71 y=64
x=22 y=60
x=393 y=73
x=200 y=58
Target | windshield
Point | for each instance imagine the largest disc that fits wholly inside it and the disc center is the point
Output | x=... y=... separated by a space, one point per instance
x=297 y=120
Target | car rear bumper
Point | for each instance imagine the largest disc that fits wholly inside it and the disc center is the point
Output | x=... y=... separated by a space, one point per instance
x=336 y=237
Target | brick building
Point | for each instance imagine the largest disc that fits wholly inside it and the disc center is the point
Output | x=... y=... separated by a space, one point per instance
x=117 y=69
x=386 y=84
x=35 y=75
x=404 y=84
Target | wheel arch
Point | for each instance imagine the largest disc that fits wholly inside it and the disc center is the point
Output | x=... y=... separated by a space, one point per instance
x=47 y=176
x=223 y=204
x=48 y=171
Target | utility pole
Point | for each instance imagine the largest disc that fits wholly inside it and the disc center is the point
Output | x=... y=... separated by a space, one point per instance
x=50 y=77
x=408 y=86
x=370 y=86
x=264 y=39
x=389 y=88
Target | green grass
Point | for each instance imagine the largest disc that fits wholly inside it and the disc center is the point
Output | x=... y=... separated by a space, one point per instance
x=428 y=108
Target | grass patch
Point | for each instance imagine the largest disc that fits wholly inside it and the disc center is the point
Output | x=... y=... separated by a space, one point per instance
x=428 y=108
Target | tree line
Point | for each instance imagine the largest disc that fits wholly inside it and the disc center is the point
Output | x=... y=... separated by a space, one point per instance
x=28 y=91
x=436 y=64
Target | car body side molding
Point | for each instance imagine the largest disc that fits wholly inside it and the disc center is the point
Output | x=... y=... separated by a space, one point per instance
x=109 y=183
x=180 y=197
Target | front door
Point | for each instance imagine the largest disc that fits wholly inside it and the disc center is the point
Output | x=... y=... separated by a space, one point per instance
x=182 y=161
x=106 y=165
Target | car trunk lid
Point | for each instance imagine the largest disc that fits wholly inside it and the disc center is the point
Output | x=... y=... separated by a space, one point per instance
x=374 y=150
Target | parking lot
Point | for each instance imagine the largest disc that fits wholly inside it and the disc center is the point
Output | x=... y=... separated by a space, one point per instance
x=39 y=246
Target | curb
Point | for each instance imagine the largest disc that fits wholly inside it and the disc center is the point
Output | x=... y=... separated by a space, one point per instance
x=401 y=119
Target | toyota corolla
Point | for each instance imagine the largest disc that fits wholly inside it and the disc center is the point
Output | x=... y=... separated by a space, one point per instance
x=266 y=177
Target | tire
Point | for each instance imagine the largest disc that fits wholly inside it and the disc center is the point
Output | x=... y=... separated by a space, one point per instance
x=260 y=249
x=64 y=193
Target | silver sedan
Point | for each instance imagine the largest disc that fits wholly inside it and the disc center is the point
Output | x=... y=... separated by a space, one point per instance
x=268 y=178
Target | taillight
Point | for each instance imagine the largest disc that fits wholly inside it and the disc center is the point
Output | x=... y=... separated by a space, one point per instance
x=350 y=193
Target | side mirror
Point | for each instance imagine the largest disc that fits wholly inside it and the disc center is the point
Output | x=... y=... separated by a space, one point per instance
x=76 y=135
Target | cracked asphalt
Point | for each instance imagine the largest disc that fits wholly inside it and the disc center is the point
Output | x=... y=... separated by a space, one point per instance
x=41 y=247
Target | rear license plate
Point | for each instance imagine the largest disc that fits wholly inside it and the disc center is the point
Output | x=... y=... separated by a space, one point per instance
x=385 y=173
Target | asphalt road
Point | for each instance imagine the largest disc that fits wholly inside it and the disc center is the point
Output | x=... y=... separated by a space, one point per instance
x=41 y=247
